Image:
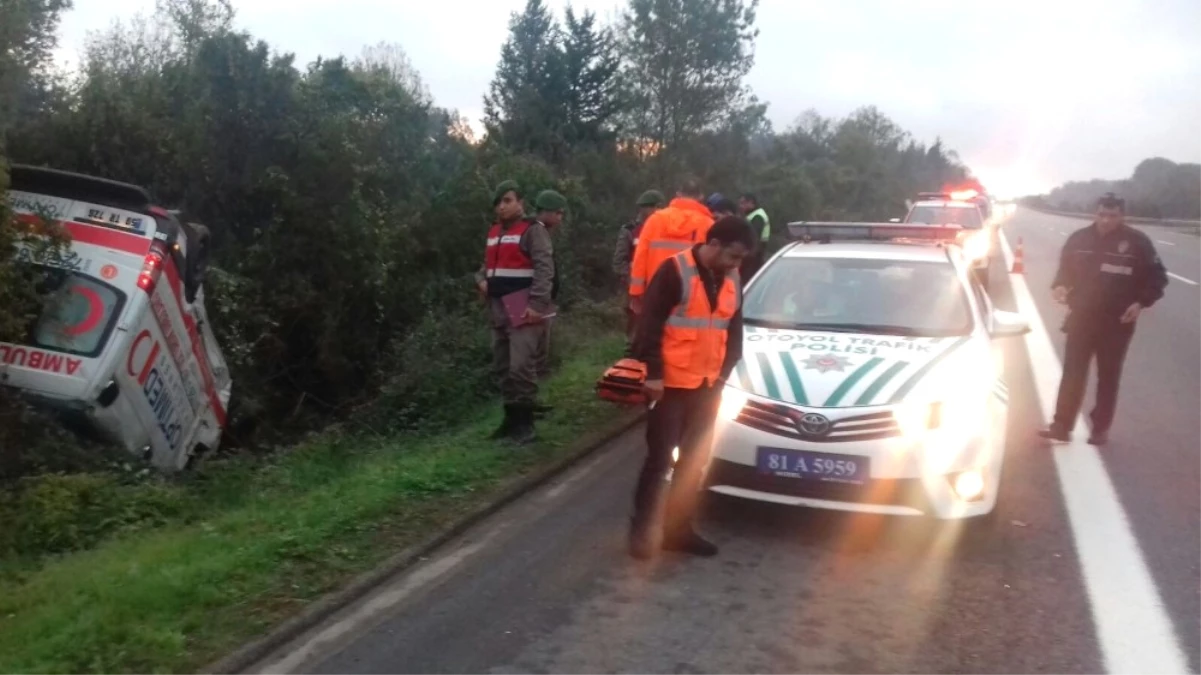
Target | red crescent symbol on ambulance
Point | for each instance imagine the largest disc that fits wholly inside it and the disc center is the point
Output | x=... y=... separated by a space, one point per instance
x=95 y=312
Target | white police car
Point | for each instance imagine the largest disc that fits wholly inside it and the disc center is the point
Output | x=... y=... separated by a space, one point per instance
x=960 y=209
x=869 y=381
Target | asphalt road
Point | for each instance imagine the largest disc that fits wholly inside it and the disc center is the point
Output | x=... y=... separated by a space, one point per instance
x=545 y=585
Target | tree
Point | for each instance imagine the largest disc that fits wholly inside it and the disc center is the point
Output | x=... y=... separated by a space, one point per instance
x=525 y=107
x=196 y=20
x=1158 y=188
x=391 y=60
x=27 y=40
x=591 y=66
x=685 y=62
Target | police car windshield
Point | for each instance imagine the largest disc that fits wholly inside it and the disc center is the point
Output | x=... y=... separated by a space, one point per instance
x=964 y=216
x=889 y=297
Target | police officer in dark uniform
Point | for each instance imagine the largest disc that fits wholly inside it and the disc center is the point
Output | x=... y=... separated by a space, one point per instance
x=1108 y=274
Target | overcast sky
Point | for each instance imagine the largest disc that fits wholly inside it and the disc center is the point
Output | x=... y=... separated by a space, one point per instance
x=1031 y=93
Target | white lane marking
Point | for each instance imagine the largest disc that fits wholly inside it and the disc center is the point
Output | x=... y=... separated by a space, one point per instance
x=1165 y=243
x=1133 y=629
x=1177 y=276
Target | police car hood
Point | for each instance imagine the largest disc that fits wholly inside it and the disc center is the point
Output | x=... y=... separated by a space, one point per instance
x=838 y=370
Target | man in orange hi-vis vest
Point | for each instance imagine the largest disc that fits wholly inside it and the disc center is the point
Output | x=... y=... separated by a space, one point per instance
x=667 y=232
x=690 y=337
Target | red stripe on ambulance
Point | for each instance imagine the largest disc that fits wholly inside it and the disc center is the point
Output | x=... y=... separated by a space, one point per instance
x=97 y=236
x=206 y=371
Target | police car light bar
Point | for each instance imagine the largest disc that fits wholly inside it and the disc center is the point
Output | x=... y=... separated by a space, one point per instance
x=826 y=232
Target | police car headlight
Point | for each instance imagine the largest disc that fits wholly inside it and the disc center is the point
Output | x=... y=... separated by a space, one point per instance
x=952 y=418
x=964 y=417
x=732 y=402
x=915 y=419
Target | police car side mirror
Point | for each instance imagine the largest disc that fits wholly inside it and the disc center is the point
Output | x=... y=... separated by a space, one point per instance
x=894 y=220
x=1008 y=324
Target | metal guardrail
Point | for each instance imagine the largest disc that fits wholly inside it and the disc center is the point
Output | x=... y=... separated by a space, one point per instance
x=1166 y=222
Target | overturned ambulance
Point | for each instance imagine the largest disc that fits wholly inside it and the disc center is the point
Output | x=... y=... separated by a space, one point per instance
x=122 y=346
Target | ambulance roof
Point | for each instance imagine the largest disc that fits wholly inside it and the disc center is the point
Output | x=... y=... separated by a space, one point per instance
x=79 y=187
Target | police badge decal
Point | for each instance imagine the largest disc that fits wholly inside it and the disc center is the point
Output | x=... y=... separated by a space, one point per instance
x=824 y=363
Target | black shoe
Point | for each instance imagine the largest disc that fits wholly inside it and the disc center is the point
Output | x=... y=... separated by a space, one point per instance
x=1098 y=438
x=1054 y=433
x=522 y=432
x=691 y=543
x=641 y=543
x=506 y=425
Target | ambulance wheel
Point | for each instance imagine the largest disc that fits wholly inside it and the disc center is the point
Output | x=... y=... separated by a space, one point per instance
x=199 y=451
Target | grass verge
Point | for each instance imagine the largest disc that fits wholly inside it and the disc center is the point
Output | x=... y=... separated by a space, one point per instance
x=261 y=542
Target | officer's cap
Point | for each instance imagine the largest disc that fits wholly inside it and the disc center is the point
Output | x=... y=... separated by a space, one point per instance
x=651 y=198
x=549 y=200
x=504 y=188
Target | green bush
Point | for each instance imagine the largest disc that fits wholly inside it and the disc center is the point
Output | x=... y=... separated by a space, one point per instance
x=441 y=369
x=56 y=513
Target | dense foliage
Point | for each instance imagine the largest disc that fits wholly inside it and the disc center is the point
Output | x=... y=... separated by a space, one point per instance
x=1158 y=188
x=347 y=208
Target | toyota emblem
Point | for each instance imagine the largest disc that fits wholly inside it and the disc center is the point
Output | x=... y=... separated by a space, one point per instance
x=813 y=424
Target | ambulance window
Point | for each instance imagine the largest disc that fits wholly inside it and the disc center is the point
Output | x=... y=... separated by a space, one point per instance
x=78 y=315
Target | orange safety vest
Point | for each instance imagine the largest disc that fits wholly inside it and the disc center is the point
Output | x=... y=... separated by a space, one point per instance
x=694 y=337
x=665 y=233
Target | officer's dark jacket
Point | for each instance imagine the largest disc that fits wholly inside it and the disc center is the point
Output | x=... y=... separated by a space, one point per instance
x=1105 y=274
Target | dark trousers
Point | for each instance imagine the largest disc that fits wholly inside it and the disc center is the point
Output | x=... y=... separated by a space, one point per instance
x=542 y=361
x=1107 y=341
x=683 y=418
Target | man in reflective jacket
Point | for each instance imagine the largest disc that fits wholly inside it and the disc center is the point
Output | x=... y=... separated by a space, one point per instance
x=667 y=232
x=1108 y=274
x=690 y=337
x=518 y=265
x=760 y=228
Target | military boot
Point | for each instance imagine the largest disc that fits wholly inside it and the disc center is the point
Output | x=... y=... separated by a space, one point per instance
x=522 y=431
x=506 y=425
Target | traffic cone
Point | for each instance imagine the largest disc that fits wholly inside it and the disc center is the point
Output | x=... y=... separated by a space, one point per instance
x=1019 y=265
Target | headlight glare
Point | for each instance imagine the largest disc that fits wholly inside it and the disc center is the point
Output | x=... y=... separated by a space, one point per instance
x=732 y=402
x=975 y=246
x=914 y=418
